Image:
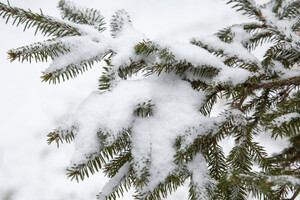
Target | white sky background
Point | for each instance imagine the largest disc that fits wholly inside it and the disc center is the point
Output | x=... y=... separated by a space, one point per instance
x=29 y=109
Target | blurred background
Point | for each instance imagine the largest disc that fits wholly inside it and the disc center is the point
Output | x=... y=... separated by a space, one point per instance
x=29 y=109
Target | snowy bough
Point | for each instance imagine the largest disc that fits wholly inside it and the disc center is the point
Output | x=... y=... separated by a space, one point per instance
x=148 y=126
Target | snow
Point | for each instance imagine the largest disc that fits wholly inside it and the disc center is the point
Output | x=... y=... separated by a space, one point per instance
x=283 y=178
x=200 y=57
x=114 y=182
x=81 y=49
x=37 y=47
x=124 y=46
x=201 y=178
x=283 y=25
x=286 y=118
x=175 y=109
x=233 y=76
x=284 y=72
x=234 y=49
x=95 y=18
x=194 y=55
x=95 y=45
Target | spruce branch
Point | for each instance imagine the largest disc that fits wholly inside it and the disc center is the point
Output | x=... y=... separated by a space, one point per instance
x=201 y=192
x=259 y=155
x=260 y=38
x=277 y=5
x=229 y=59
x=47 y=25
x=257 y=185
x=291 y=104
x=127 y=71
x=225 y=35
x=81 y=15
x=169 y=64
x=216 y=160
x=112 y=167
x=115 y=187
x=144 y=109
x=208 y=143
x=290 y=128
x=210 y=100
x=296 y=26
x=282 y=52
x=231 y=186
x=289 y=155
x=295 y=194
x=256 y=104
x=239 y=157
x=39 y=51
x=72 y=70
x=213 y=93
x=146 y=48
x=106 y=79
x=82 y=170
x=107 y=156
x=120 y=20
x=275 y=84
x=291 y=10
x=60 y=136
x=171 y=183
x=247 y=7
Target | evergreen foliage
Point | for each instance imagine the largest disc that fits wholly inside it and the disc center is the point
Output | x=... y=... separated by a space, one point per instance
x=262 y=97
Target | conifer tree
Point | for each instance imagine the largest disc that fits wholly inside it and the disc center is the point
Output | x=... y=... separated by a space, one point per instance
x=148 y=126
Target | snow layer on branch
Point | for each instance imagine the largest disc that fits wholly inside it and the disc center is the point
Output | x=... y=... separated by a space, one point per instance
x=286 y=118
x=81 y=49
x=233 y=49
x=211 y=125
x=124 y=45
x=283 y=179
x=201 y=179
x=114 y=182
x=93 y=46
x=201 y=57
x=175 y=110
x=234 y=76
x=89 y=16
x=283 y=25
x=195 y=55
x=284 y=72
